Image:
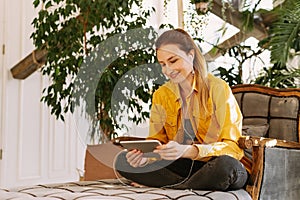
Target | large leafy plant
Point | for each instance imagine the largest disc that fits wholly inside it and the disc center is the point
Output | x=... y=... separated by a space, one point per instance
x=285 y=32
x=283 y=42
x=89 y=50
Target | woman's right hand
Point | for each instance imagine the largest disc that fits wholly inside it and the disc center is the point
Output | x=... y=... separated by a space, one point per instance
x=135 y=158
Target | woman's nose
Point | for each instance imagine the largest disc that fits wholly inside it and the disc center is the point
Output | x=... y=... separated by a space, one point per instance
x=168 y=69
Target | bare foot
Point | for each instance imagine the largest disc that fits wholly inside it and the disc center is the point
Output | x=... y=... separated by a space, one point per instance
x=134 y=184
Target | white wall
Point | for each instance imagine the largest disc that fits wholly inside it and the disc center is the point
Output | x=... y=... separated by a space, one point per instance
x=36 y=147
x=1 y=75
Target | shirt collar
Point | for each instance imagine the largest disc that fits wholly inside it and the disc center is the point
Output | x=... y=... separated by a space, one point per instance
x=175 y=87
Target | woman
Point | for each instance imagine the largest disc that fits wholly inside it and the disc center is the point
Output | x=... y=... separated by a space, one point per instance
x=198 y=121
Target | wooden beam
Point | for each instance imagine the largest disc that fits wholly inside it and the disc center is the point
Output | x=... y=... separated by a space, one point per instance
x=235 y=18
x=29 y=64
x=32 y=62
x=180 y=14
x=232 y=41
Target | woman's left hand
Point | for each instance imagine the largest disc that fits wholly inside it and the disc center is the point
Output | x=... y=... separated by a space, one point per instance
x=172 y=150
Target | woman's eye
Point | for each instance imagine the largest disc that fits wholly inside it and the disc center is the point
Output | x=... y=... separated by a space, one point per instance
x=173 y=61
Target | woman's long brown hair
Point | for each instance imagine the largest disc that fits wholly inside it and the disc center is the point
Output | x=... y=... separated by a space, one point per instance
x=186 y=43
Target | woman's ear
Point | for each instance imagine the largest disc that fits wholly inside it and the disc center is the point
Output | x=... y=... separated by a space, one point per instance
x=192 y=53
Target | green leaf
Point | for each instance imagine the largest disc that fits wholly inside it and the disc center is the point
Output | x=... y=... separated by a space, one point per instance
x=285 y=33
x=36 y=3
x=48 y=4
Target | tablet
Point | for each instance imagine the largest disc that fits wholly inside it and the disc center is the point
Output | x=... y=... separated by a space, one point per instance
x=146 y=146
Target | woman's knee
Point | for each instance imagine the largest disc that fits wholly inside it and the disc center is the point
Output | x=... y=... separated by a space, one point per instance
x=232 y=171
x=228 y=163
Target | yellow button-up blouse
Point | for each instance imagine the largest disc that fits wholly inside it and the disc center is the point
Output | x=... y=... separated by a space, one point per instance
x=217 y=131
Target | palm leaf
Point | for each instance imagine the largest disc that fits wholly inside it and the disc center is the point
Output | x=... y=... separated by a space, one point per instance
x=285 y=32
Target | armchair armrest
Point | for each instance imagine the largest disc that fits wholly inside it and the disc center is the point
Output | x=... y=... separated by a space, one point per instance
x=247 y=142
x=265 y=150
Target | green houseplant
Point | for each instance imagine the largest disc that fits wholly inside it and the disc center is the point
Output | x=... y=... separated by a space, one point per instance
x=73 y=33
x=282 y=42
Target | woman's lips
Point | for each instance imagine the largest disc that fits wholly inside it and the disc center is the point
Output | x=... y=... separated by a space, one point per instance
x=173 y=75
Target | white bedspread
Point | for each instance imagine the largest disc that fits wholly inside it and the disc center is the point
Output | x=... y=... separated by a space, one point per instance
x=112 y=189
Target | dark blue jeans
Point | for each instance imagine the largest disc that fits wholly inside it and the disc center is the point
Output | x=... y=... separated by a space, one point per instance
x=220 y=173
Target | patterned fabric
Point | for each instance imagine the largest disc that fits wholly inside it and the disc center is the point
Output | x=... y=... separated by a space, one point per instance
x=115 y=190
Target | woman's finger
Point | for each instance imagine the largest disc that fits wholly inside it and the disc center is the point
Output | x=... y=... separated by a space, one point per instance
x=171 y=151
x=136 y=161
x=134 y=158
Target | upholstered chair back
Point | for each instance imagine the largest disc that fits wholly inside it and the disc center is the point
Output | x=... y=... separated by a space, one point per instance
x=269 y=112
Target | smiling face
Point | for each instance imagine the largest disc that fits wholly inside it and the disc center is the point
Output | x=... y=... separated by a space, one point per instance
x=176 y=64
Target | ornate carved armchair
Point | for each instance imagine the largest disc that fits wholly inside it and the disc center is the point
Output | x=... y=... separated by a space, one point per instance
x=272 y=130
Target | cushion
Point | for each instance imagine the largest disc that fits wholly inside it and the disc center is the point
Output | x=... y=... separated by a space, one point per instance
x=259 y=130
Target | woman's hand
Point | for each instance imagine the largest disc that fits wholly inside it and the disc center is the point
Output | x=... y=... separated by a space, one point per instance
x=173 y=150
x=135 y=158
